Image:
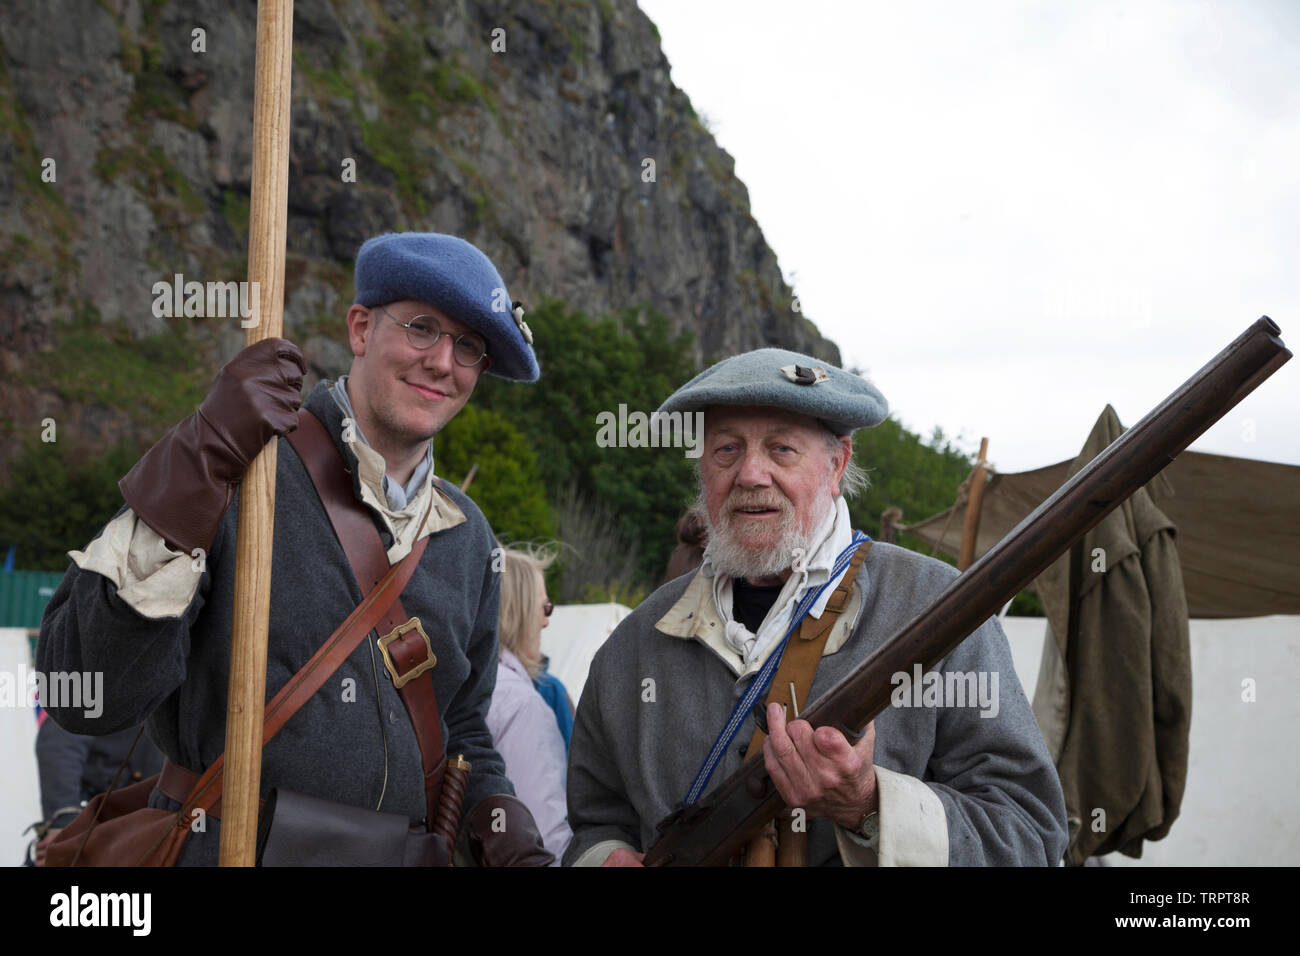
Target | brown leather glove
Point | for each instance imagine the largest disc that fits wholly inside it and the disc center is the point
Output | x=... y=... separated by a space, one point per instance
x=503 y=833
x=183 y=485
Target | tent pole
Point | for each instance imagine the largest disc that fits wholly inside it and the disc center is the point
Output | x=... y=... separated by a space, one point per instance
x=970 y=528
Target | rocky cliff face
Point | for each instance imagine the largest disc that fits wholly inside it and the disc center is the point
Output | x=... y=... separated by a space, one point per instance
x=548 y=134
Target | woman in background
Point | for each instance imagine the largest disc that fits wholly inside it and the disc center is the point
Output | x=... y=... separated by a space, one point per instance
x=524 y=728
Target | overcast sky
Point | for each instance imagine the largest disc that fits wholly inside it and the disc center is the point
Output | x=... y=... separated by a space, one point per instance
x=1010 y=214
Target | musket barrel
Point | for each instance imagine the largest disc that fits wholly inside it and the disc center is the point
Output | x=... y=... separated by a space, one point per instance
x=710 y=833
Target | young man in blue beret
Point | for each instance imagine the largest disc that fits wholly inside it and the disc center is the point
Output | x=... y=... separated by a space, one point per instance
x=149 y=602
x=936 y=782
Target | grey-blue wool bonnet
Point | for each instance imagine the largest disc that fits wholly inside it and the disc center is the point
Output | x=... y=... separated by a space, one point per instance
x=778 y=378
x=455 y=277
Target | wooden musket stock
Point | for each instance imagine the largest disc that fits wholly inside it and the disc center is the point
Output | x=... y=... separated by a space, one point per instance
x=710 y=832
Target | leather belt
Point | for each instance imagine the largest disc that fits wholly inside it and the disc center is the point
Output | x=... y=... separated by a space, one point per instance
x=177 y=783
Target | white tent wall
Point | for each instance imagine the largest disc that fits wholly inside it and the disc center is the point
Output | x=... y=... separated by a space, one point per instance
x=1243 y=766
x=20 y=796
x=575 y=634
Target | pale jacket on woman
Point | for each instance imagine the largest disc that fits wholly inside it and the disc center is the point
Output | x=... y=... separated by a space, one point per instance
x=528 y=738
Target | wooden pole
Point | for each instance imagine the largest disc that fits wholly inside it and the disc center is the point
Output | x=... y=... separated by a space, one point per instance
x=890 y=519
x=267 y=230
x=970 y=528
x=470 y=477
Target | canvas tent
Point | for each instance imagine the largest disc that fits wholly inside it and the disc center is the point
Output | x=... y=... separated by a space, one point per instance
x=1116 y=719
x=1238 y=526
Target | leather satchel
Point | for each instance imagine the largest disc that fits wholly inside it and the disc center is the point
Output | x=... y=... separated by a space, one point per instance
x=119 y=828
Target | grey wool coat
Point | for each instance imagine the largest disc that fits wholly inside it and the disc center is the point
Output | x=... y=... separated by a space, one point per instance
x=637 y=745
x=352 y=741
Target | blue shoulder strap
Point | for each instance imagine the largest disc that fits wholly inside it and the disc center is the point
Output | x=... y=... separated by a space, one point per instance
x=764 y=677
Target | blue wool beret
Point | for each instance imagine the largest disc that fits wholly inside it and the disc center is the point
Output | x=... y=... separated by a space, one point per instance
x=454 y=277
x=798 y=383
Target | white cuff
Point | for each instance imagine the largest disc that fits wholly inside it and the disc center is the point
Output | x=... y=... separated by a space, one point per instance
x=913 y=826
x=855 y=849
x=151 y=578
x=597 y=854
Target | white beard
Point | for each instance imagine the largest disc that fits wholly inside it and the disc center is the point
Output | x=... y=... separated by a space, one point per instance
x=730 y=555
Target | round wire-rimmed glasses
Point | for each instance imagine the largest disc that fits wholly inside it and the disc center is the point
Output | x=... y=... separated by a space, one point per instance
x=424 y=331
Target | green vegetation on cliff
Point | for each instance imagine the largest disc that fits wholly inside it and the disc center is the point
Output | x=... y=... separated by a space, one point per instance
x=540 y=469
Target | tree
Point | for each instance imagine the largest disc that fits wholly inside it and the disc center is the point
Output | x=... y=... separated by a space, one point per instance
x=59 y=497
x=591 y=366
x=507 y=485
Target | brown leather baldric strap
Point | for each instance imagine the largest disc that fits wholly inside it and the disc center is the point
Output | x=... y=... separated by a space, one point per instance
x=803 y=652
x=789 y=687
x=205 y=794
x=408 y=652
x=178 y=783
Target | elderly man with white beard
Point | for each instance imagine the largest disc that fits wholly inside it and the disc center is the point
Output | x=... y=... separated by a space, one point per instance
x=672 y=698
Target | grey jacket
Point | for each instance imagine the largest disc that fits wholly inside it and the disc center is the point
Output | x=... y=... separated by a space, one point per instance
x=353 y=741
x=660 y=689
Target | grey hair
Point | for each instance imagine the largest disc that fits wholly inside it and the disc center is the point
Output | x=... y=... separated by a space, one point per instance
x=855 y=478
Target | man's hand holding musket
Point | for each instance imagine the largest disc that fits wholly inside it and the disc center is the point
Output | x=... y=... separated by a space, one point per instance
x=818 y=770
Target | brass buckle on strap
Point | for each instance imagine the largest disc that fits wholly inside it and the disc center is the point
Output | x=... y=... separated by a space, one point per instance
x=396 y=634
